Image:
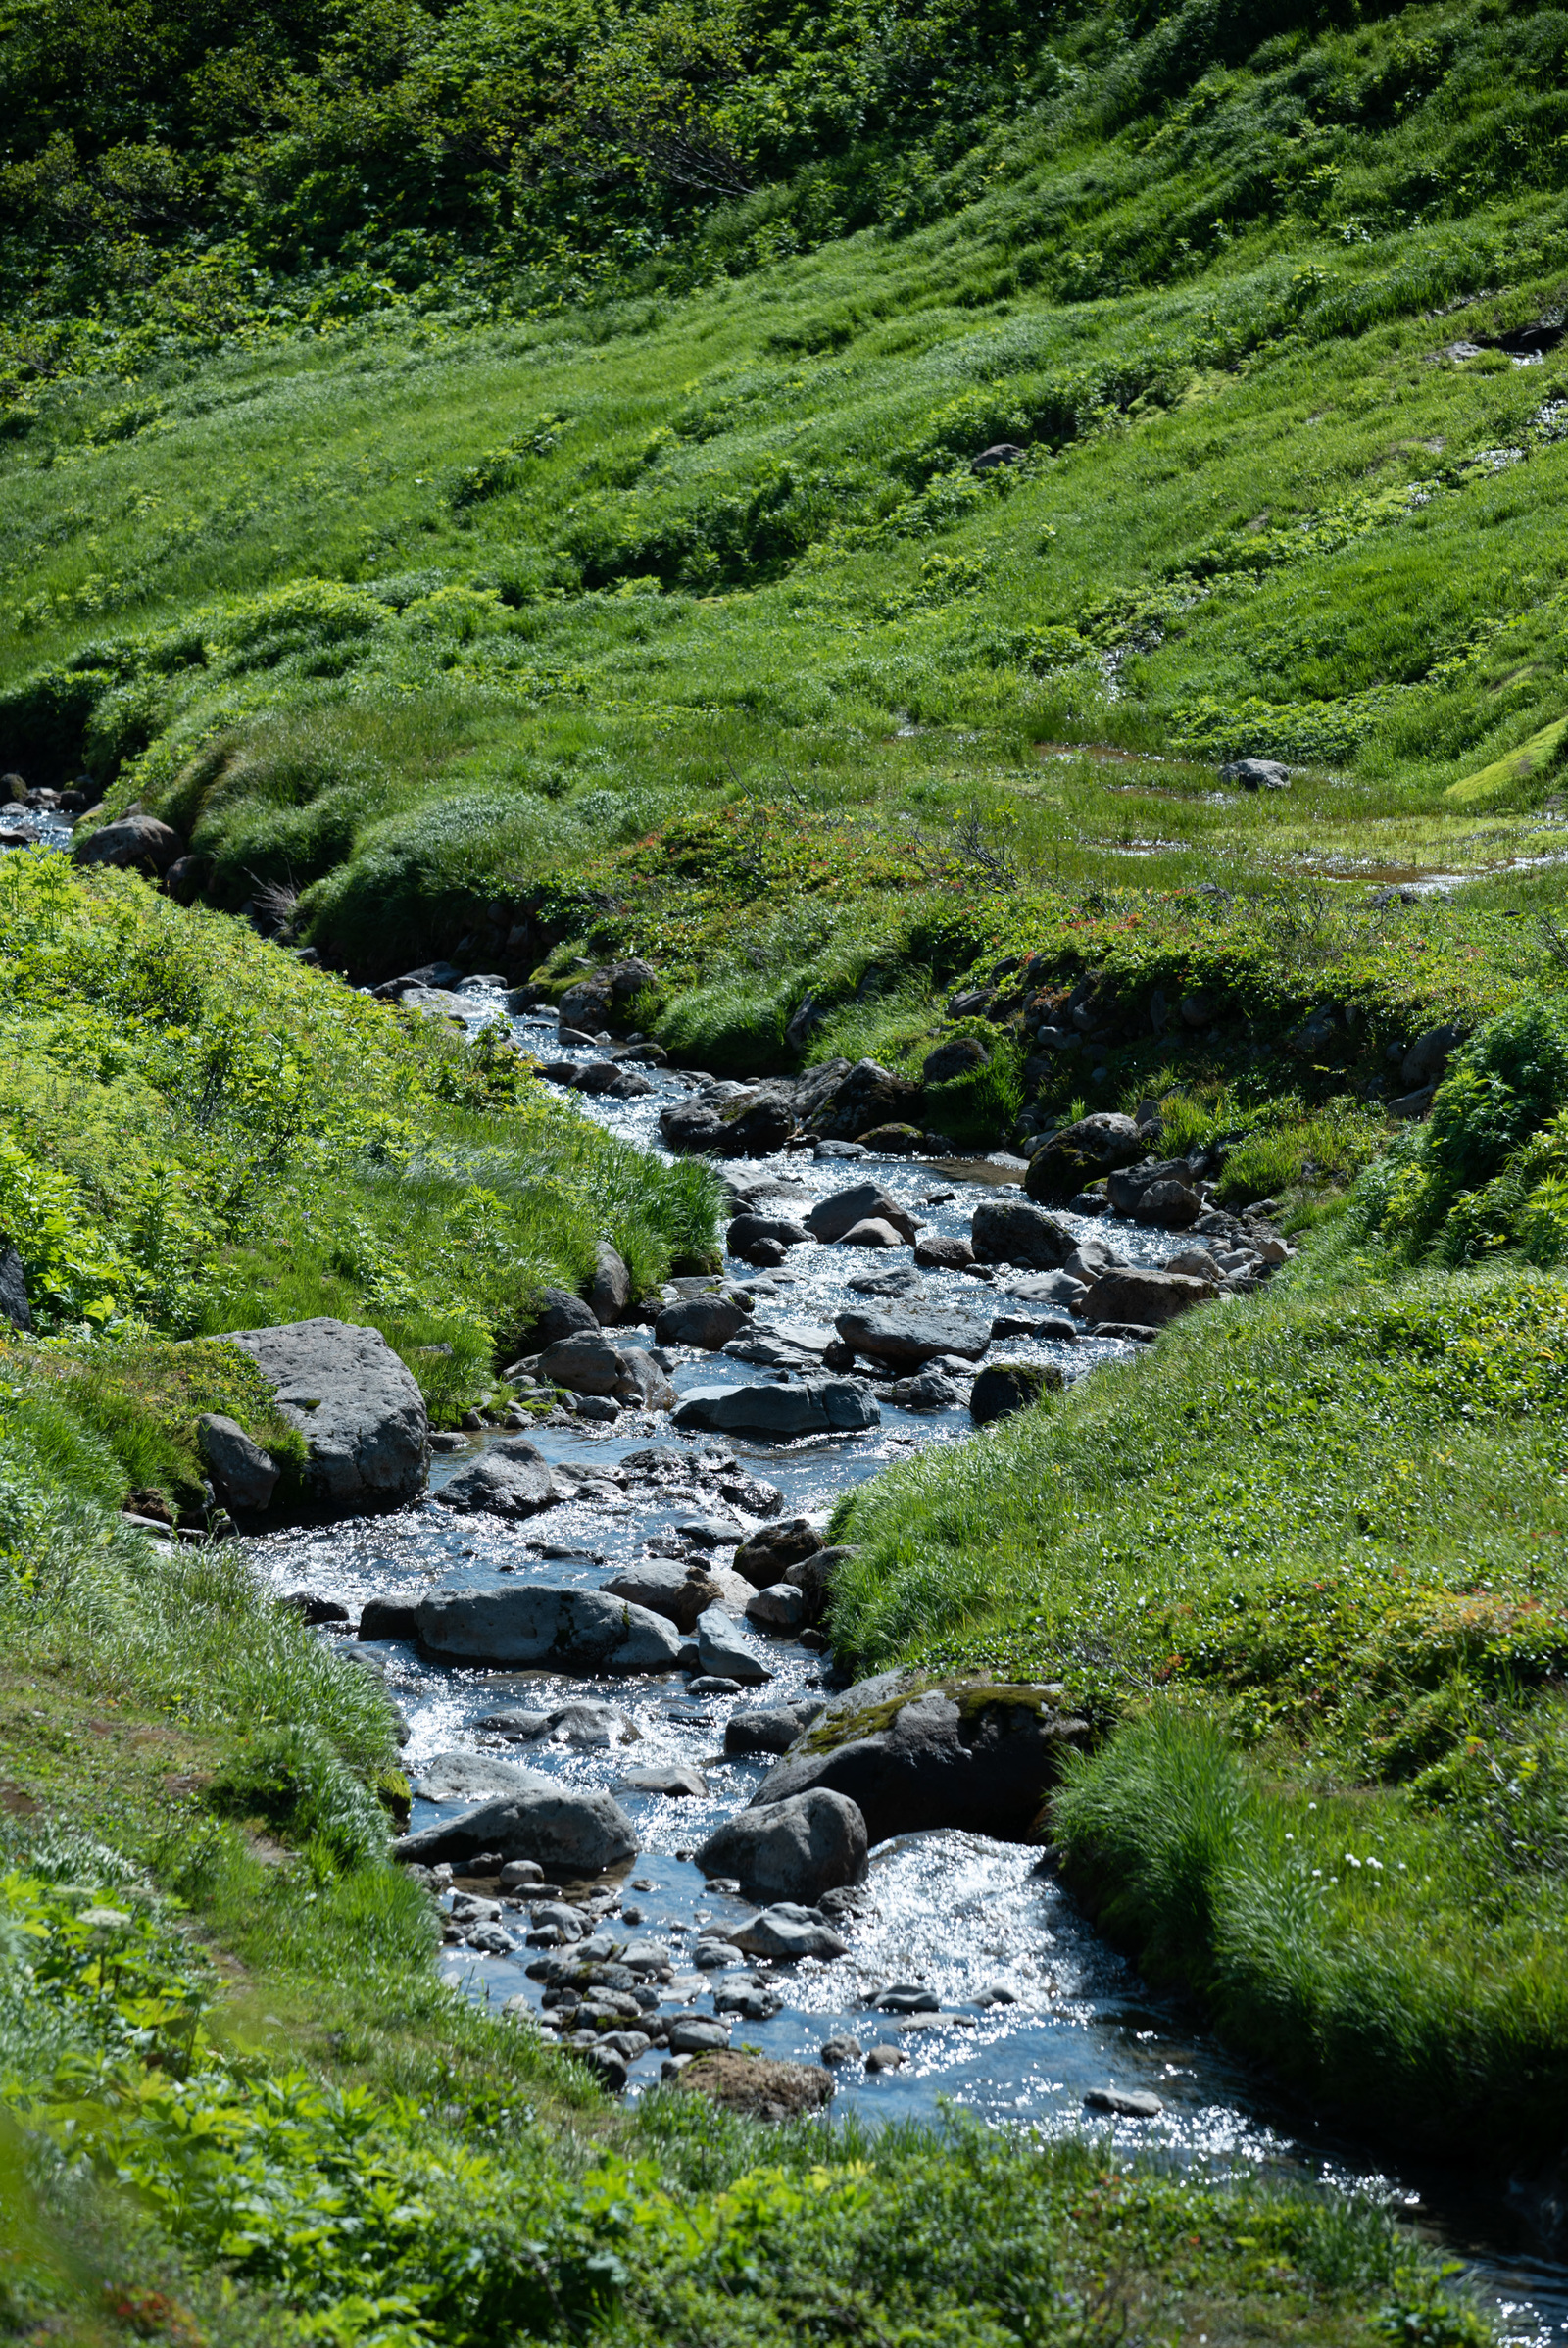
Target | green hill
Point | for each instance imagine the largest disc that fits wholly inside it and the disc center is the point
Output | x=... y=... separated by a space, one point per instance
x=816 y=497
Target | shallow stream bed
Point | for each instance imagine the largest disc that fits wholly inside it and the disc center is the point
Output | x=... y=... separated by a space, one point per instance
x=1034 y=2011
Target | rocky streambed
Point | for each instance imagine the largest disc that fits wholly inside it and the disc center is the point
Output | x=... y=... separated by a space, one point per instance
x=602 y=1622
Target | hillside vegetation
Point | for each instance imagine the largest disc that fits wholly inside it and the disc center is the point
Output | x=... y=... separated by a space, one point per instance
x=813 y=497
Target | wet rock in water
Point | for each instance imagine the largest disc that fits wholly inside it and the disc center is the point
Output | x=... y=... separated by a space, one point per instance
x=724 y=1652
x=747 y=1228
x=815 y=1406
x=886 y=2058
x=139 y=841
x=359 y=1411
x=1009 y=1230
x=574 y=1830
x=1004 y=1387
x=762 y=1559
x=244 y=1476
x=709 y=1532
x=590 y=1724
x=466 y=1777
x=909 y=1341
x=905 y=1997
x=764 y=1255
x=750 y=1493
x=678 y=1782
x=840 y=1152
x=790 y=1932
x=610 y=1298
x=939 y=1253
x=512 y=1479
x=931 y=1389
x=1049 y=1287
x=1143 y=1297
x=756 y=2086
x=390 y=1618
x=796 y=1846
x=1124 y=2103
x=552 y=1629
x=1079 y=1154
x=762 y=1728
x=643 y=1383
x=706 y=1322
x=866 y=1202
x=314 y=1608
x=584 y=1363
x=902 y=1281
x=779 y=1608
x=1042 y=1328
x=680 y=1593
x=610 y=1080
x=697 y=2033
x=872 y=1233
x=748 y=2000
x=516 y=1722
x=914 y=1755
x=559 y=1314
x=840 y=2049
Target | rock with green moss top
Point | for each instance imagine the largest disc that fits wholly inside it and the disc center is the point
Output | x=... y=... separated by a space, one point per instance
x=914 y=1755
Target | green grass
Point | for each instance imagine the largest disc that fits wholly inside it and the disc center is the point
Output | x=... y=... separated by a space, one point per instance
x=200 y=1135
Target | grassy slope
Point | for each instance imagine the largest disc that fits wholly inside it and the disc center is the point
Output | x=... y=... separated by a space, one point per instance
x=669 y=556
x=617 y=623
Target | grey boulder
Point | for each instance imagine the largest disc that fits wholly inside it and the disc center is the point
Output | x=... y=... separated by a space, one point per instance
x=914 y=1755
x=552 y=1629
x=815 y=1406
x=867 y=1201
x=723 y=1653
x=610 y=1298
x=763 y=1558
x=131 y=840
x=796 y=1847
x=909 y=1341
x=706 y=1322
x=559 y=1314
x=680 y=1593
x=512 y=1478
x=1144 y=1297
x=466 y=1777
x=583 y=1364
x=1256 y=774
x=780 y=1607
x=762 y=1728
x=244 y=1476
x=678 y=1782
x=361 y=1413
x=1009 y=1230
x=789 y=1931
x=569 y=1831
x=1004 y=1387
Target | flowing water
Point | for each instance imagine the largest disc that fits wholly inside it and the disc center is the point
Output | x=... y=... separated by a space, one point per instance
x=1034 y=2009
